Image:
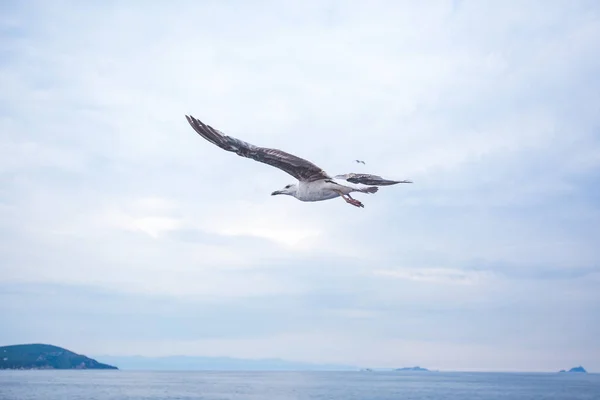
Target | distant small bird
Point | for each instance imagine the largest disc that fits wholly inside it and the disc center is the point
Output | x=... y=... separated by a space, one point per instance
x=314 y=184
x=359 y=161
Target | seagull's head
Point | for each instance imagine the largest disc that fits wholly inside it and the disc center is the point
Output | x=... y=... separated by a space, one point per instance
x=290 y=190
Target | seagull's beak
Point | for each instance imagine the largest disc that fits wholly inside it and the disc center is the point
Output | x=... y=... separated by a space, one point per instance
x=276 y=192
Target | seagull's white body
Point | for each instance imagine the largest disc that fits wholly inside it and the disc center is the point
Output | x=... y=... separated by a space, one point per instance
x=325 y=189
x=314 y=184
x=315 y=191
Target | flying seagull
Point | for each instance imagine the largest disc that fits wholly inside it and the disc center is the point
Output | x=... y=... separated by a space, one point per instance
x=314 y=184
x=359 y=161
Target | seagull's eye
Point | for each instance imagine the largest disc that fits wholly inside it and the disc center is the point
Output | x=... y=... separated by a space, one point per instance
x=288 y=186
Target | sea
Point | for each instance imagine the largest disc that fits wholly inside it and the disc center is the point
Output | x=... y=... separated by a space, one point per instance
x=172 y=385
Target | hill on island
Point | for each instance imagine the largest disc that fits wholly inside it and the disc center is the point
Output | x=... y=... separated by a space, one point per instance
x=579 y=369
x=45 y=356
x=418 y=369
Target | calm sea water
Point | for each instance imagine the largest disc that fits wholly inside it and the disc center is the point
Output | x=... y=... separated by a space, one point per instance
x=134 y=385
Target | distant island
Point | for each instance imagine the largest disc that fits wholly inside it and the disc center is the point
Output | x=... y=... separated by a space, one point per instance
x=579 y=369
x=45 y=356
x=412 y=369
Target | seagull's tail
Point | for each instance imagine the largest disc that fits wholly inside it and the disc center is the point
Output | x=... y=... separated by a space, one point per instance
x=370 y=189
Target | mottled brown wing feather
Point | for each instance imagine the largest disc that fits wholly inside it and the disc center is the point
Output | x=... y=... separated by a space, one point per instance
x=372 y=180
x=297 y=167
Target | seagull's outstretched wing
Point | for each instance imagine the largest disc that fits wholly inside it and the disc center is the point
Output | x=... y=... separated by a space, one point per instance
x=368 y=179
x=299 y=168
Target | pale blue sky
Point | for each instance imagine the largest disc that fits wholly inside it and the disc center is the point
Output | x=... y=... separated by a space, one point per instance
x=124 y=232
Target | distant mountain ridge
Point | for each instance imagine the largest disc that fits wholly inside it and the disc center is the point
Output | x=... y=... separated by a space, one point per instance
x=45 y=356
x=199 y=363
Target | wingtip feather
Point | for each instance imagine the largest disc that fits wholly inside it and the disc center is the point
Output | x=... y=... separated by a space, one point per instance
x=204 y=130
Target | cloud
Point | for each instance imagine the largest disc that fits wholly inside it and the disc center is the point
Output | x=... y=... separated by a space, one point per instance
x=433 y=275
x=108 y=197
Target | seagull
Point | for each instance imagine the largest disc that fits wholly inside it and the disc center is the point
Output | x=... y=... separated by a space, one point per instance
x=359 y=161
x=314 y=184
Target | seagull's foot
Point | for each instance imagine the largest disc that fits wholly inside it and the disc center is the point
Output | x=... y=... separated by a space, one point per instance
x=355 y=202
x=350 y=200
